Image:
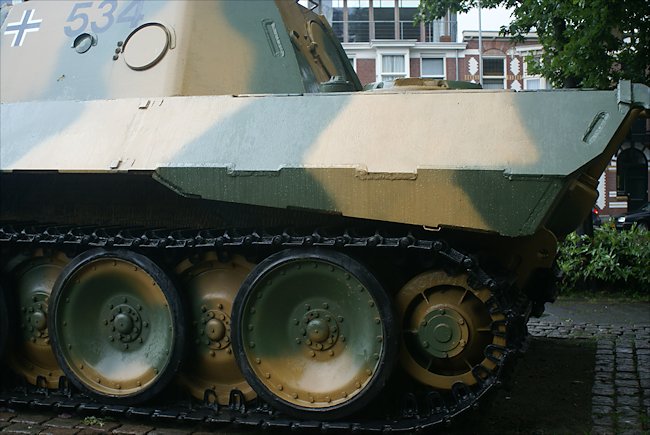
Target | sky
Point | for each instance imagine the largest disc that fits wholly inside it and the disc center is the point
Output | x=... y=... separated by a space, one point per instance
x=491 y=19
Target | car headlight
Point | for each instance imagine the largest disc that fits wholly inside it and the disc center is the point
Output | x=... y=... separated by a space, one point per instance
x=621 y=219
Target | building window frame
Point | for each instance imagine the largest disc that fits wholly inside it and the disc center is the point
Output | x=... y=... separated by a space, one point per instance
x=353 y=61
x=433 y=76
x=494 y=77
x=392 y=75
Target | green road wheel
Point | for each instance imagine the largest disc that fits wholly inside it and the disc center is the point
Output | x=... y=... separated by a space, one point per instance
x=31 y=283
x=314 y=333
x=4 y=325
x=210 y=286
x=117 y=326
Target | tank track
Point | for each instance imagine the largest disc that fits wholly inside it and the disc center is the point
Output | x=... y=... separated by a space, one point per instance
x=408 y=411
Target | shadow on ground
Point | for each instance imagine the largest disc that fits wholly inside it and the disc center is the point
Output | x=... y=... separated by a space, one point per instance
x=549 y=392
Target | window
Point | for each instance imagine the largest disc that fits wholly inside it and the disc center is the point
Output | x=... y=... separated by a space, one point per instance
x=353 y=62
x=393 y=66
x=433 y=67
x=494 y=73
x=533 y=82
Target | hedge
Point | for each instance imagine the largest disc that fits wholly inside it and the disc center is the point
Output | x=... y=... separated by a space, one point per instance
x=610 y=261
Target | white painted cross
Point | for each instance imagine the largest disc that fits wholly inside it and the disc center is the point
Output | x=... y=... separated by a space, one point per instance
x=20 y=28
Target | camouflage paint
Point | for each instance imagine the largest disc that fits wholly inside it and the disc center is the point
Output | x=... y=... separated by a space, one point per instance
x=416 y=169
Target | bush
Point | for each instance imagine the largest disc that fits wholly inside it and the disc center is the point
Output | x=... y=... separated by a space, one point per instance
x=610 y=261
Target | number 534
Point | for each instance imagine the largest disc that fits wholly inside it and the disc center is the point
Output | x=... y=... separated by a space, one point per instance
x=79 y=19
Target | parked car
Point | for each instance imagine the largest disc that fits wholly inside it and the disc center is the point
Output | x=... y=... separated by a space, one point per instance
x=641 y=217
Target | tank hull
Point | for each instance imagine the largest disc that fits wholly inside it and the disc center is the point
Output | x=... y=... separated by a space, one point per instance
x=352 y=155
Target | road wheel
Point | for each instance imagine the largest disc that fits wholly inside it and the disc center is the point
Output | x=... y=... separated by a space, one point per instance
x=32 y=280
x=210 y=286
x=314 y=333
x=451 y=333
x=117 y=326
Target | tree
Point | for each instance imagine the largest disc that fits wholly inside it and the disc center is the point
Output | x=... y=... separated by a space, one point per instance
x=587 y=43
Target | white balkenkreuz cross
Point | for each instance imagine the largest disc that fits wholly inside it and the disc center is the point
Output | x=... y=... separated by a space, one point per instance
x=20 y=28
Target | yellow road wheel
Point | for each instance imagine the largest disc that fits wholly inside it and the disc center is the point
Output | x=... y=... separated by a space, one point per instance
x=117 y=326
x=448 y=328
x=31 y=355
x=210 y=285
x=314 y=333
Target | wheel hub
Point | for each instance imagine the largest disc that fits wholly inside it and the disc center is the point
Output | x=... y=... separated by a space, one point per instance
x=215 y=327
x=35 y=316
x=319 y=330
x=124 y=324
x=443 y=333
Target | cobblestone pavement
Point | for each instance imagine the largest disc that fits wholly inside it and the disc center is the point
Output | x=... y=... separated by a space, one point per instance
x=620 y=394
x=621 y=389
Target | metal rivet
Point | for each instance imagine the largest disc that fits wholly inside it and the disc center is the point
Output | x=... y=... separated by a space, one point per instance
x=328 y=399
x=331 y=353
x=325 y=305
x=343 y=338
x=212 y=353
x=311 y=399
x=251 y=344
x=280 y=387
x=369 y=372
x=380 y=339
x=267 y=375
x=312 y=353
x=377 y=320
x=425 y=344
x=307 y=307
x=371 y=303
x=258 y=360
x=340 y=318
x=297 y=340
x=294 y=395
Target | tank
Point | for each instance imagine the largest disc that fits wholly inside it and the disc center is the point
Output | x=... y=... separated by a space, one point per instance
x=203 y=215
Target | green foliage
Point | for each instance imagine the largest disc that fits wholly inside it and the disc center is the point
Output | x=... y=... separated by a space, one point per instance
x=609 y=261
x=588 y=43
